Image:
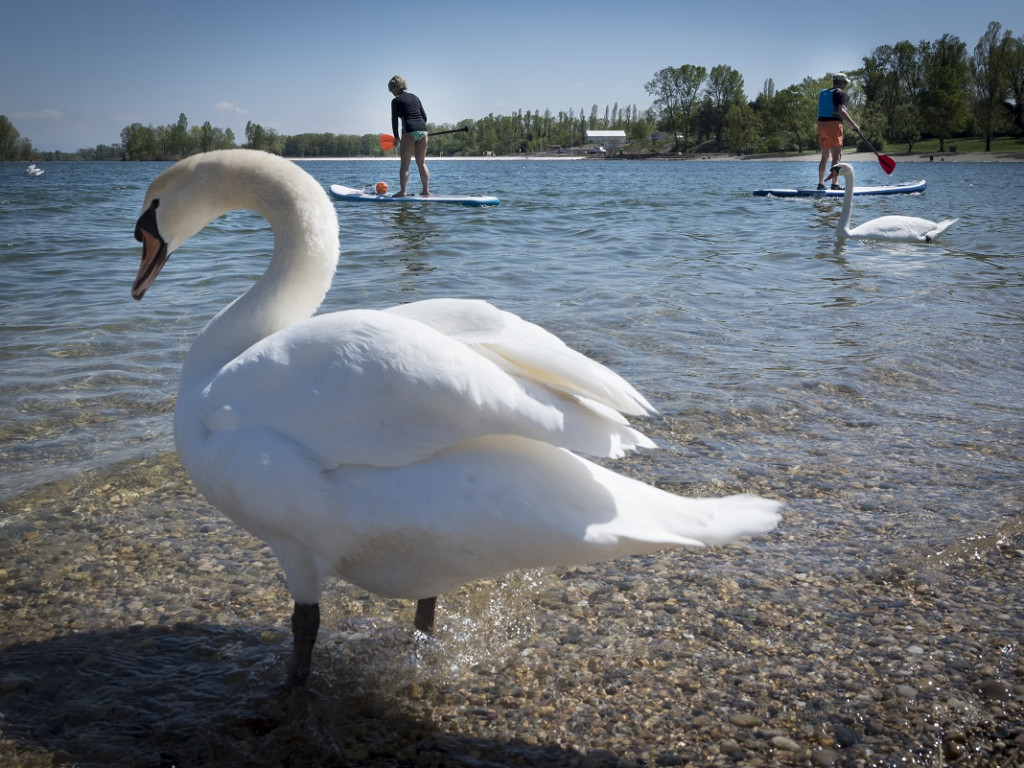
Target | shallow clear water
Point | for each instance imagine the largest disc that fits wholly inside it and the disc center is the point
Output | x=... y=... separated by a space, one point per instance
x=886 y=374
x=873 y=387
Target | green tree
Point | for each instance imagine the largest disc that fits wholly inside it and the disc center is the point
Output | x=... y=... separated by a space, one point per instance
x=769 y=139
x=203 y=136
x=944 y=105
x=9 y=139
x=724 y=89
x=741 y=128
x=793 y=113
x=990 y=68
x=255 y=136
x=675 y=91
x=1015 y=73
x=139 y=142
x=891 y=78
x=176 y=138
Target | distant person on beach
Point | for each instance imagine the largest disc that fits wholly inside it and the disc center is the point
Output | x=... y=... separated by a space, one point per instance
x=408 y=107
x=831 y=113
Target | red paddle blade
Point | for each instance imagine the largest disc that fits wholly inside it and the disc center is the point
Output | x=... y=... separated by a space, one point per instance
x=887 y=163
x=388 y=142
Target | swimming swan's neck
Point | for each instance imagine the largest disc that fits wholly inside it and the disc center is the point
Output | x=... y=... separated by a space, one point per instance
x=843 y=225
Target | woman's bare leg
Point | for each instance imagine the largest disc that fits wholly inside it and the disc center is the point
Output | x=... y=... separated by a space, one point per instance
x=421 y=165
x=405 y=149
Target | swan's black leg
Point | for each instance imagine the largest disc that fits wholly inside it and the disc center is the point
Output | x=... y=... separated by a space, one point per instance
x=305 y=625
x=424 y=620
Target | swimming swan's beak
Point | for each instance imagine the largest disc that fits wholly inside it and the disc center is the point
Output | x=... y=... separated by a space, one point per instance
x=154 y=251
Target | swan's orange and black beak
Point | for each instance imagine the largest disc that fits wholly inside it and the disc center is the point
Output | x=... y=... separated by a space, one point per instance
x=833 y=174
x=154 y=251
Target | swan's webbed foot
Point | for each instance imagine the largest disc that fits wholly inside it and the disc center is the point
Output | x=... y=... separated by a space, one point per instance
x=424 y=620
x=305 y=625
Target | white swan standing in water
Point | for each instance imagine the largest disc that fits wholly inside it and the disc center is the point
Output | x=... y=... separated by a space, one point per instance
x=408 y=450
x=907 y=229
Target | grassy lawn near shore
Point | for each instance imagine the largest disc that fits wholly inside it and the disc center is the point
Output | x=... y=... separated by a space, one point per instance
x=1001 y=145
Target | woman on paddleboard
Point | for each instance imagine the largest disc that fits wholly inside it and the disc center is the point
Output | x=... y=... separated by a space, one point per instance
x=409 y=108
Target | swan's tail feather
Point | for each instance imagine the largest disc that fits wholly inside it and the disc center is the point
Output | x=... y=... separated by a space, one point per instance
x=650 y=514
x=498 y=504
x=941 y=227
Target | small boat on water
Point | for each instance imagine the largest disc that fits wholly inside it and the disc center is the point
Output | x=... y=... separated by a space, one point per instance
x=33 y=170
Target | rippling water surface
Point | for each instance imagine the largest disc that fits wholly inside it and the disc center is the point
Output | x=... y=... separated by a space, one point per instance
x=771 y=351
x=875 y=387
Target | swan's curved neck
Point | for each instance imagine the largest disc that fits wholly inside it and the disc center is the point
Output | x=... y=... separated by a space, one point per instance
x=300 y=272
x=843 y=225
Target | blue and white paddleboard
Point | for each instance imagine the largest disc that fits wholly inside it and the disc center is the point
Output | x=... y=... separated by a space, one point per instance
x=340 y=192
x=904 y=188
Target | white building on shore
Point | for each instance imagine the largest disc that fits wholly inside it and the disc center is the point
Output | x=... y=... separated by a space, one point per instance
x=606 y=139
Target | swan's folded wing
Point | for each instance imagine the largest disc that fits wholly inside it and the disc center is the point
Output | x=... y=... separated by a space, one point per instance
x=528 y=351
x=379 y=389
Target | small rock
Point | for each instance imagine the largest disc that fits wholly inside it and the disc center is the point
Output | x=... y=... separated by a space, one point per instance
x=906 y=691
x=745 y=720
x=824 y=758
x=995 y=689
x=846 y=737
x=953 y=750
x=13 y=683
x=785 y=743
x=728 y=746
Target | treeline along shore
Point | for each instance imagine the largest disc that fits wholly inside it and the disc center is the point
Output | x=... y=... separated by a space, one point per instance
x=905 y=95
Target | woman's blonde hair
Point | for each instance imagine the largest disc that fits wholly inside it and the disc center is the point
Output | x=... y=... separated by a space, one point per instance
x=397 y=85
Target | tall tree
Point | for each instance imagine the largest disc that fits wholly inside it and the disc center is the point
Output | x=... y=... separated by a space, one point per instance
x=944 y=104
x=675 y=91
x=139 y=141
x=205 y=142
x=255 y=136
x=177 y=138
x=793 y=110
x=9 y=137
x=891 y=85
x=1015 y=73
x=742 y=128
x=989 y=66
x=724 y=89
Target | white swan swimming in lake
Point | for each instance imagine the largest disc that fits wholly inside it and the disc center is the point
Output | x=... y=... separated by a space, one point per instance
x=408 y=450
x=33 y=170
x=907 y=229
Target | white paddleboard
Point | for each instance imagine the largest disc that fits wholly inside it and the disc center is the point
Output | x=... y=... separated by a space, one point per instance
x=906 y=187
x=341 y=192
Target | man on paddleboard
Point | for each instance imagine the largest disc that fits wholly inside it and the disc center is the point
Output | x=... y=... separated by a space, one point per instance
x=831 y=113
x=408 y=107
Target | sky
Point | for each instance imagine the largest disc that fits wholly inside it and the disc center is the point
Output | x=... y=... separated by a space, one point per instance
x=73 y=73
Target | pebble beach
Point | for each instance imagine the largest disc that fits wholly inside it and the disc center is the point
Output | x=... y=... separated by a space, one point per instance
x=173 y=654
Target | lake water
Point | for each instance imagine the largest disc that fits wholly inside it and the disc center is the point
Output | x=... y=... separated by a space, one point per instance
x=885 y=375
x=874 y=387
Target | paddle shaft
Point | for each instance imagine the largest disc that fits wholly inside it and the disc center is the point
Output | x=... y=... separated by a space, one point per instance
x=887 y=163
x=463 y=129
x=387 y=141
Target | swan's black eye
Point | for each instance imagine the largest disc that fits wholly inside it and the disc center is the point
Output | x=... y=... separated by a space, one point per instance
x=147 y=222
